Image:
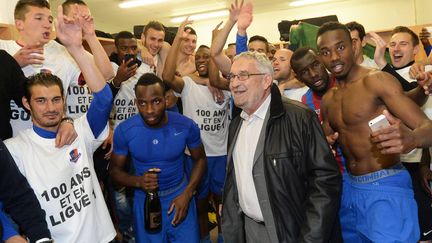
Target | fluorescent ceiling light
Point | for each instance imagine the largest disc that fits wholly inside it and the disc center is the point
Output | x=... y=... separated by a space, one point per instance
x=201 y=16
x=136 y=3
x=306 y=2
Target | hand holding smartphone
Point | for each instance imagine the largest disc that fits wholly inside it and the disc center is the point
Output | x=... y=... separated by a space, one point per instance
x=127 y=57
x=378 y=122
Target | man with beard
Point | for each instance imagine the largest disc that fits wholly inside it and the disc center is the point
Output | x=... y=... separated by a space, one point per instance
x=211 y=115
x=156 y=140
x=64 y=179
x=378 y=186
x=288 y=85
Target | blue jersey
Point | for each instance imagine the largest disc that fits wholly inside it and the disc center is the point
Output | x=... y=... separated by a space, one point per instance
x=161 y=147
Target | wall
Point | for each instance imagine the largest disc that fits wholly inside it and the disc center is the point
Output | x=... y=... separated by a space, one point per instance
x=6 y=11
x=373 y=14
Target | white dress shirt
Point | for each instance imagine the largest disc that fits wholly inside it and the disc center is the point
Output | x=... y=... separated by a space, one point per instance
x=243 y=157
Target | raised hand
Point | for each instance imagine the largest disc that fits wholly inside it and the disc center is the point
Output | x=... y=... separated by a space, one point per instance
x=245 y=18
x=216 y=30
x=380 y=48
x=235 y=10
x=69 y=30
x=181 y=33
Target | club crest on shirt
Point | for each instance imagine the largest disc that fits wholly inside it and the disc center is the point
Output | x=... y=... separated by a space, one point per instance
x=81 y=80
x=74 y=155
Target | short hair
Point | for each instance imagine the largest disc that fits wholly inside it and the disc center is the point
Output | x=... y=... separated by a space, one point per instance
x=332 y=25
x=203 y=46
x=191 y=30
x=356 y=26
x=231 y=44
x=404 y=29
x=299 y=54
x=68 y=3
x=123 y=35
x=262 y=39
x=150 y=79
x=154 y=25
x=263 y=63
x=45 y=79
x=21 y=8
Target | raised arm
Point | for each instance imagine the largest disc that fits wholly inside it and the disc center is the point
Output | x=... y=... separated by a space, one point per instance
x=397 y=138
x=220 y=37
x=168 y=75
x=244 y=21
x=99 y=55
x=69 y=31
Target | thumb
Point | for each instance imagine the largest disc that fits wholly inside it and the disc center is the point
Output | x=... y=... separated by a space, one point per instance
x=392 y=120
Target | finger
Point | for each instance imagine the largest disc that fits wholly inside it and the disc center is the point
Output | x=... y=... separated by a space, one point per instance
x=176 y=217
x=58 y=140
x=392 y=120
x=218 y=25
x=171 y=208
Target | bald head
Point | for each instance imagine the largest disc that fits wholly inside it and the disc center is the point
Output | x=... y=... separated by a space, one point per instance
x=281 y=65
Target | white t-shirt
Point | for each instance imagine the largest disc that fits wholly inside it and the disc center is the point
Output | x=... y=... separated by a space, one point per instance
x=65 y=183
x=124 y=102
x=211 y=117
x=369 y=63
x=57 y=61
x=415 y=155
x=296 y=94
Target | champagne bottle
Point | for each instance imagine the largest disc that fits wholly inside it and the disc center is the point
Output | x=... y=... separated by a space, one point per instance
x=152 y=212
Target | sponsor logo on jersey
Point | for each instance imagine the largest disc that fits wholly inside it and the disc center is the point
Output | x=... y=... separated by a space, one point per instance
x=74 y=155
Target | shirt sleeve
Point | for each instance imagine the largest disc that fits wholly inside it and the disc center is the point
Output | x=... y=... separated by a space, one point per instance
x=241 y=44
x=194 y=139
x=99 y=110
x=406 y=86
x=120 y=143
x=8 y=229
x=16 y=77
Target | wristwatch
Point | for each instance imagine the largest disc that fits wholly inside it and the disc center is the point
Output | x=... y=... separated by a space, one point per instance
x=68 y=120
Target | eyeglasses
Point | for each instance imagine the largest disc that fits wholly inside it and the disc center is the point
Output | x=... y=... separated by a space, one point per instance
x=242 y=76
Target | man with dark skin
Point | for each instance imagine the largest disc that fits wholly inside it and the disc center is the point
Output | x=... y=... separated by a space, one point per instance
x=156 y=140
x=361 y=95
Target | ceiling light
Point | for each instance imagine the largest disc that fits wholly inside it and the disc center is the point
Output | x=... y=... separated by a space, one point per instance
x=306 y=2
x=136 y=3
x=208 y=15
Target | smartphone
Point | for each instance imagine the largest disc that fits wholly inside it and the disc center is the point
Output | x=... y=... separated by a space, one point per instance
x=378 y=123
x=130 y=56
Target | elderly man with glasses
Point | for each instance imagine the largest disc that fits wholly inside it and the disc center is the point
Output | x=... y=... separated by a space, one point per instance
x=282 y=183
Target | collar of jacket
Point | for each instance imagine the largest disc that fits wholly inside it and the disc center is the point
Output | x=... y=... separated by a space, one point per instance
x=276 y=106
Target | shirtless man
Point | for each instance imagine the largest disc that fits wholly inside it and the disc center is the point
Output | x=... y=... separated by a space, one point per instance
x=361 y=95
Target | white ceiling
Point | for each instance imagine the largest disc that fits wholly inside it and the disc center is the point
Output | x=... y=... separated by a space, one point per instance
x=110 y=18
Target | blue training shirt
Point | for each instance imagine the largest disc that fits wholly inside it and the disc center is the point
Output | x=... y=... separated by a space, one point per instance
x=161 y=147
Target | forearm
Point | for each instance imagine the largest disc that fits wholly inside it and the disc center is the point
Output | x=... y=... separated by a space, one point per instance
x=418 y=95
x=197 y=173
x=99 y=110
x=92 y=75
x=423 y=135
x=100 y=57
x=123 y=178
x=170 y=65
x=214 y=77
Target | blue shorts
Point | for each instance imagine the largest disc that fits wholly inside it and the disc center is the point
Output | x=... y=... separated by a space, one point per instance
x=379 y=207
x=213 y=179
x=186 y=231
